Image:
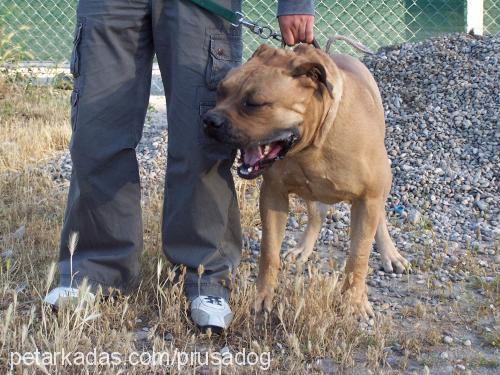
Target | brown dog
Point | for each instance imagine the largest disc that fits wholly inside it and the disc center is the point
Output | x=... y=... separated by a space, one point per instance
x=318 y=120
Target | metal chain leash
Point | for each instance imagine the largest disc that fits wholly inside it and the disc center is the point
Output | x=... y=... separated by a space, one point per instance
x=238 y=19
x=265 y=32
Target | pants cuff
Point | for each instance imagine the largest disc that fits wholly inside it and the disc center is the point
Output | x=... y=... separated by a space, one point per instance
x=95 y=285
x=193 y=290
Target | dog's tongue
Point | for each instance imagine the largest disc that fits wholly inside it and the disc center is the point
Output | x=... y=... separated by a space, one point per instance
x=252 y=155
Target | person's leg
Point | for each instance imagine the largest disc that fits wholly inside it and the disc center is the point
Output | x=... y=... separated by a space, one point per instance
x=201 y=224
x=111 y=62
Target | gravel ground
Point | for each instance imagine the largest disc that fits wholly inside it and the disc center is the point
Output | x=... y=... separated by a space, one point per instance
x=441 y=99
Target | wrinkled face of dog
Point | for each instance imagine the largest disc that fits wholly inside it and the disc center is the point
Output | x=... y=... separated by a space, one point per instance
x=262 y=105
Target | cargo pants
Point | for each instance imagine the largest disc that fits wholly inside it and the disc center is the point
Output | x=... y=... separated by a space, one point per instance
x=114 y=45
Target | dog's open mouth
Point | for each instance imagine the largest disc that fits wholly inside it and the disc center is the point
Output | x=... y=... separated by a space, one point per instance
x=253 y=160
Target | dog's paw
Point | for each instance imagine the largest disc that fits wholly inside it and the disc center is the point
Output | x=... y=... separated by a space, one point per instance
x=360 y=305
x=393 y=261
x=364 y=309
x=263 y=301
x=299 y=254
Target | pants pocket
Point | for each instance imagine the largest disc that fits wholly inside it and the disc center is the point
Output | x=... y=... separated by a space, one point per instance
x=75 y=96
x=225 y=53
x=75 y=62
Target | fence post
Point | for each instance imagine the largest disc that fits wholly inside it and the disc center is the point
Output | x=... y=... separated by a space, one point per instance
x=475 y=11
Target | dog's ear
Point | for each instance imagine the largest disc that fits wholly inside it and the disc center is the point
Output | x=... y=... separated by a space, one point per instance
x=316 y=72
x=262 y=48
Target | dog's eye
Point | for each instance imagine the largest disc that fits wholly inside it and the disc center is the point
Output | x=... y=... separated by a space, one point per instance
x=253 y=103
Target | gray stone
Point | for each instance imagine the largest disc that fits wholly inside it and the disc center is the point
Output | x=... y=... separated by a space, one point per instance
x=19 y=233
x=447 y=340
x=414 y=216
x=7 y=254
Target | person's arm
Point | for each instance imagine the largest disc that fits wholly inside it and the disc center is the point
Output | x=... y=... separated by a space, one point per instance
x=296 y=19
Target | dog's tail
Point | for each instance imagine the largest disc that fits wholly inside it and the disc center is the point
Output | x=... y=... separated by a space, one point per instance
x=350 y=41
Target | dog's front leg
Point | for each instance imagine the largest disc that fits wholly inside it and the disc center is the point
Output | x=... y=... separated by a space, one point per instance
x=273 y=214
x=365 y=214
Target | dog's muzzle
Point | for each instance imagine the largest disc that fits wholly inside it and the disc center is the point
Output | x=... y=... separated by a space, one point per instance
x=216 y=126
x=253 y=157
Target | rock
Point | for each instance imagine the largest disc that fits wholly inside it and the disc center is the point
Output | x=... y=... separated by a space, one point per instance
x=326 y=365
x=141 y=335
x=414 y=216
x=7 y=254
x=168 y=337
x=19 y=233
x=482 y=263
x=481 y=205
x=467 y=343
x=292 y=222
x=447 y=340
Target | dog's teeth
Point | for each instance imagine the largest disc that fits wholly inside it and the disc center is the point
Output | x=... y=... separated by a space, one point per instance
x=238 y=153
x=266 y=149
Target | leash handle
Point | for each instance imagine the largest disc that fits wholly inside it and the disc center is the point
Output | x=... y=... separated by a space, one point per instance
x=238 y=19
x=314 y=43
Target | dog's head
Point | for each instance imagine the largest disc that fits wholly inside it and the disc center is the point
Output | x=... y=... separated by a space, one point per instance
x=273 y=103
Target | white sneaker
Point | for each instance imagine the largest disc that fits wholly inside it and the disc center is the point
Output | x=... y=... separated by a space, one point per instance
x=66 y=295
x=211 y=312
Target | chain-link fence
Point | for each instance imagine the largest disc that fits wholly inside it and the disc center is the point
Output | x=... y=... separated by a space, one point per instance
x=492 y=16
x=44 y=27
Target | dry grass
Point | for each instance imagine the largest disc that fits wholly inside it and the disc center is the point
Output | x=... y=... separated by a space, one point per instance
x=31 y=130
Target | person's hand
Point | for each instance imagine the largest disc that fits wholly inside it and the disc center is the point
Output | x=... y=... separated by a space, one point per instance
x=297 y=28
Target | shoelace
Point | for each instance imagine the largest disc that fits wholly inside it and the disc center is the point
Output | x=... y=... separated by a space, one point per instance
x=214 y=300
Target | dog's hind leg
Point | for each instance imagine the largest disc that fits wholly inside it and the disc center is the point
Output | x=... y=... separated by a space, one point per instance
x=316 y=214
x=392 y=260
x=273 y=213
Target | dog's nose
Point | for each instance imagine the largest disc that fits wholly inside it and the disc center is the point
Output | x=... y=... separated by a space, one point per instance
x=212 y=120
